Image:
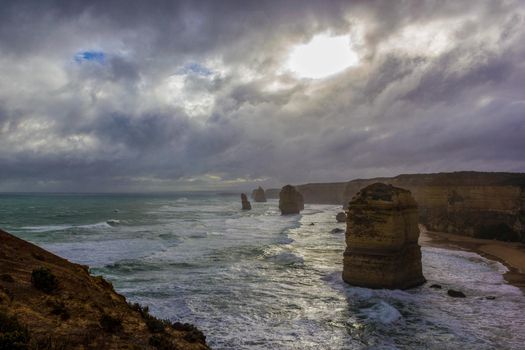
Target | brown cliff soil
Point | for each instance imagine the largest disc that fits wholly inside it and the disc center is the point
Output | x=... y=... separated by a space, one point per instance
x=511 y=254
x=47 y=302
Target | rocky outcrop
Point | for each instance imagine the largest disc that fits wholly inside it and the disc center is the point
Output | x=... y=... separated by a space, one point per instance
x=341 y=217
x=478 y=204
x=51 y=303
x=290 y=200
x=258 y=195
x=381 y=239
x=245 y=202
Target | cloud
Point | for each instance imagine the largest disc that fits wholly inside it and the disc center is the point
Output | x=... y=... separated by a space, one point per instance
x=167 y=95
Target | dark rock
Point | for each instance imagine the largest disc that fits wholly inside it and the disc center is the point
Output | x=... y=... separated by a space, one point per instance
x=290 y=200
x=312 y=224
x=456 y=293
x=258 y=195
x=490 y=297
x=245 y=202
x=337 y=230
x=436 y=286
x=341 y=217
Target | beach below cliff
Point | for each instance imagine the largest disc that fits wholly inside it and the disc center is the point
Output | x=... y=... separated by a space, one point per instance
x=510 y=254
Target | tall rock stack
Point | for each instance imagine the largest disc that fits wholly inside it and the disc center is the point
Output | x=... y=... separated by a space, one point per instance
x=382 y=249
x=258 y=195
x=290 y=200
x=245 y=202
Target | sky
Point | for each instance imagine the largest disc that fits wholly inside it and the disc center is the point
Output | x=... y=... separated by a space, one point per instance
x=116 y=96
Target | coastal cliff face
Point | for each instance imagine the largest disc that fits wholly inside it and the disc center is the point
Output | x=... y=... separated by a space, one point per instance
x=381 y=238
x=318 y=193
x=290 y=200
x=482 y=205
x=478 y=204
x=47 y=302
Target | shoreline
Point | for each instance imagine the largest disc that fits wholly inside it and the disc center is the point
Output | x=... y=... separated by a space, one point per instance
x=510 y=254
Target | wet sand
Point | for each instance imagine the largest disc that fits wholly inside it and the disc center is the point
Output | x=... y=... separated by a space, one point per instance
x=511 y=254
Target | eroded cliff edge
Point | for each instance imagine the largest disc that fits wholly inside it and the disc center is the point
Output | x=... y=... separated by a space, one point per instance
x=478 y=204
x=47 y=302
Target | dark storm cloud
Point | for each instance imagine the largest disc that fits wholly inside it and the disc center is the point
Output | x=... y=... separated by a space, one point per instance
x=135 y=95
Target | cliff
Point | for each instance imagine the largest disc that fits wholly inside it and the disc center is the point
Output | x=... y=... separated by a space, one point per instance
x=47 y=302
x=318 y=193
x=482 y=205
x=478 y=204
x=382 y=234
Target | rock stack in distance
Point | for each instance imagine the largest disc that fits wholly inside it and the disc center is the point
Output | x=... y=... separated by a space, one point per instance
x=246 y=205
x=258 y=195
x=290 y=200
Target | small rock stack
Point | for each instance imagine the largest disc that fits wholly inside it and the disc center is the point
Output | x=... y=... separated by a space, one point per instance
x=382 y=249
x=258 y=195
x=290 y=200
x=245 y=202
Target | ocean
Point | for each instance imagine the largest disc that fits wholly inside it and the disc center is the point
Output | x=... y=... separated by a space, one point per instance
x=259 y=280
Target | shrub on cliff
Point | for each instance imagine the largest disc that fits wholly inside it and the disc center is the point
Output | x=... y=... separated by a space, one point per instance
x=44 y=280
x=193 y=334
x=110 y=324
x=13 y=335
x=154 y=324
x=500 y=232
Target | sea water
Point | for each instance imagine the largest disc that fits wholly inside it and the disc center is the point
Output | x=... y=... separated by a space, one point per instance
x=259 y=280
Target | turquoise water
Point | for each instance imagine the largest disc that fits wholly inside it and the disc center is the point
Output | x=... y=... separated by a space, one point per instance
x=257 y=280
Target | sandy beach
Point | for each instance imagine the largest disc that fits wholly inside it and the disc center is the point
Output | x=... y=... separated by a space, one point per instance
x=511 y=254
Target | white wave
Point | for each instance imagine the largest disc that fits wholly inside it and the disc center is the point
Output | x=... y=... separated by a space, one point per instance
x=382 y=312
x=48 y=228
x=287 y=258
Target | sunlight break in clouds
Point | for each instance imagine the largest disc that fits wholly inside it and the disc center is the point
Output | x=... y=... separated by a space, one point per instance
x=322 y=56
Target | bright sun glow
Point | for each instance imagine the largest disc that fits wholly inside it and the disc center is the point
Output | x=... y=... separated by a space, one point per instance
x=322 y=56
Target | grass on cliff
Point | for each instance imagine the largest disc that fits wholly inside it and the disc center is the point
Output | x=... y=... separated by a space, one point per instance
x=154 y=324
x=13 y=335
x=158 y=326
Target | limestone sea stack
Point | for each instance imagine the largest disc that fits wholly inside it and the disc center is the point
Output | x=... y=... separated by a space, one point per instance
x=245 y=202
x=290 y=200
x=258 y=195
x=382 y=249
